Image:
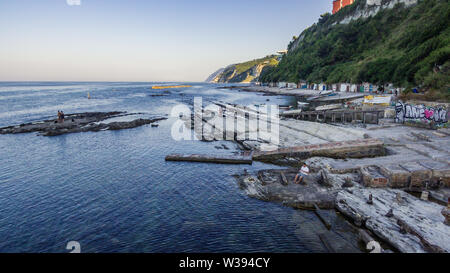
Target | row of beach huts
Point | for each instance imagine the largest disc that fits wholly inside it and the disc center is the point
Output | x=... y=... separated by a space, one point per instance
x=339 y=87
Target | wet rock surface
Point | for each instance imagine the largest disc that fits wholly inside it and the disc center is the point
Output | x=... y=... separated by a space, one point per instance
x=79 y=122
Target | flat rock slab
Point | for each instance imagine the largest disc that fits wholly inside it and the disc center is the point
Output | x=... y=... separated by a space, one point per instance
x=80 y=122
x=417 y=225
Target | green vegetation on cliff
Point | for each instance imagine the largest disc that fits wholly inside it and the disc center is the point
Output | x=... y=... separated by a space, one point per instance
x=405 y=46
x=245 y=72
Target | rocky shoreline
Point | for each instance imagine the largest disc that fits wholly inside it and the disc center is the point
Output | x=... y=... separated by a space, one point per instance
x=80 y=122
x=408 y=163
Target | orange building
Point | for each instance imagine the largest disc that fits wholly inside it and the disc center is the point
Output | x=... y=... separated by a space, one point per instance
x=339 y=4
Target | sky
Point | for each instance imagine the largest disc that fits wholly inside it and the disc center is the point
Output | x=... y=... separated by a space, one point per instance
x=143 y=40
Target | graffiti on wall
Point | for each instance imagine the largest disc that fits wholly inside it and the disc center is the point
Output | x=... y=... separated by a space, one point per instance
x=420 y=113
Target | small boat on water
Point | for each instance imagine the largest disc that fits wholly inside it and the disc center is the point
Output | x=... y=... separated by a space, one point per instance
x=170 y=86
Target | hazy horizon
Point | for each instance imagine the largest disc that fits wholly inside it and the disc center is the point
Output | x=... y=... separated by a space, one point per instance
x=143 y=41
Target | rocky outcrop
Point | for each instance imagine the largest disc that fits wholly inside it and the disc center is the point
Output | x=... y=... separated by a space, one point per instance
x=81 y=122
x=243 y=72
x=320 y=189
x=214 y=75
x=407 y=223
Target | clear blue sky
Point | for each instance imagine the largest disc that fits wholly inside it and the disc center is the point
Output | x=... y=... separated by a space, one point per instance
x=143 y=40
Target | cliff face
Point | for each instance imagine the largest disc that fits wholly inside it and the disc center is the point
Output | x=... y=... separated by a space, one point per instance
x=404 y=42
x=360 y=9
x=243 y=72
x=372 y=7
x=214 y=75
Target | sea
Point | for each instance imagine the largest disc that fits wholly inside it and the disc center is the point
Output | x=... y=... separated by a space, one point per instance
x=113 y=191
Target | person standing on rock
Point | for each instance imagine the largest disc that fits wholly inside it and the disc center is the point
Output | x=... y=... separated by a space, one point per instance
x=62 y=117
x=59 y=116
x=304 y=172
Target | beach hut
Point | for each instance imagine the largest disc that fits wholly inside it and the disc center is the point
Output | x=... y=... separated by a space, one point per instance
x=334 y=87
x=354 y=88
x=367 y=87
x=322 y=87
x=345 y=87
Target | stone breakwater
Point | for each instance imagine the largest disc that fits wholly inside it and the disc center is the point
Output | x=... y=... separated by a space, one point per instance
x=80 y=122
x=344 y=149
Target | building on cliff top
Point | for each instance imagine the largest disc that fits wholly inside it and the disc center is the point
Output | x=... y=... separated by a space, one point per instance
x=339 y=4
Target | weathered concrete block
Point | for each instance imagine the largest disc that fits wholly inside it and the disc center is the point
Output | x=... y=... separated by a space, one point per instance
x=420 y=175
x=440 y=172
x=372 y=177
x=398 y=176
x=347 y=149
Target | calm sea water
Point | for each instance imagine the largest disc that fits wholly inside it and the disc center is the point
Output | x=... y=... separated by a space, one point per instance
x=112 y=191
